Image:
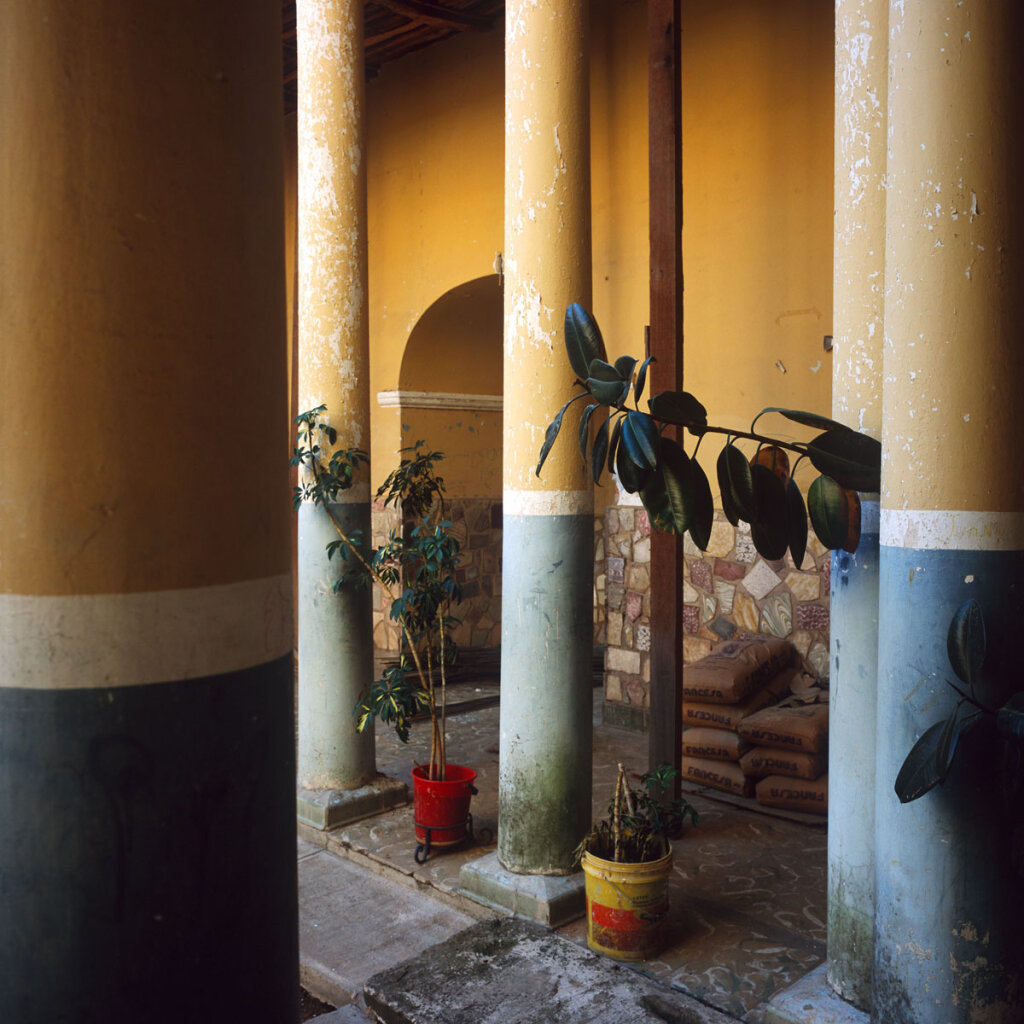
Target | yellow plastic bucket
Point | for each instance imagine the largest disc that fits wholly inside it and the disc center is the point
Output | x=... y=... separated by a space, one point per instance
x=627 y=905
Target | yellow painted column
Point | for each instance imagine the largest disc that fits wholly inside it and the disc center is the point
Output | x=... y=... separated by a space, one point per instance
x=547 y=568
x=147 y=847
x=335 y=639
x=858 y=312
x=948 y=932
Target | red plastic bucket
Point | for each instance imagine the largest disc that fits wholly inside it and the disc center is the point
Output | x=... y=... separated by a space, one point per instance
x=443 y=807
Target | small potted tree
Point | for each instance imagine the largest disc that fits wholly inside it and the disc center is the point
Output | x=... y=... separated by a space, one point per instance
x=415 y=569
x=627 y=860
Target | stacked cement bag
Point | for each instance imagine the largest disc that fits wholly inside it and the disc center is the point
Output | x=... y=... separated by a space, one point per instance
x=788 y=750
x=737 y=679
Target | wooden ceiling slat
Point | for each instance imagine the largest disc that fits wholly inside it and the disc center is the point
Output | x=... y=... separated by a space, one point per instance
x=435 y=14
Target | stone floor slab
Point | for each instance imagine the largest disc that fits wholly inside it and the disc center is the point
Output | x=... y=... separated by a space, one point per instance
x=812 y=1001
x=511 y=971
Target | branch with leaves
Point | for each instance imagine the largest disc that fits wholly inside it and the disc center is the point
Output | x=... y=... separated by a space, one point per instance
x=760 y=490
x=415 y=569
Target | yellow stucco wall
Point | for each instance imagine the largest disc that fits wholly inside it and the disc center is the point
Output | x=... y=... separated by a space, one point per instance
x=757 y=236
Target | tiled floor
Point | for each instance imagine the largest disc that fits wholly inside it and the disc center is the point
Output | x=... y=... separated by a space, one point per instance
x=747 y=892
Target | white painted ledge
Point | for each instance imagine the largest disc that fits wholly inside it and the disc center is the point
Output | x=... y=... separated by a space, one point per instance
x=438 y=400
x=951 y=530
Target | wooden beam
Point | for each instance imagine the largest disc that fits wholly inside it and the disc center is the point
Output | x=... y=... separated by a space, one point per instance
x=666 y=372
x=434 y=14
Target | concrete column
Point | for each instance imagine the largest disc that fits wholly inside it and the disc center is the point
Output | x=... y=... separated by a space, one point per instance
x=335 y=630
x=858 y=311
x=948 y=936
x=547 y=570
x=147 y=851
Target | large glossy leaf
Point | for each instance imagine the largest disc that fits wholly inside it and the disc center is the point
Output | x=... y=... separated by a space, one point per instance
x=668 y=493
x=585 y=430
x=624 y=366
x=641 y=380
x=640 y=436
x=613 y=444
x=1010 y=719
x=632 y=475
x=828 y=507
x=703 y=517
x=768 y=531
x=808 y=419
x=678 y=407
x=600 y=450
x=600 y=370
x=583 y=341
x=852 y=499
x=607 y=392
x=853 y=460
x=965 y=641
x=919 y=771
x=796 y=522
x=552 y=432
x=775 y=459
x=735 y=484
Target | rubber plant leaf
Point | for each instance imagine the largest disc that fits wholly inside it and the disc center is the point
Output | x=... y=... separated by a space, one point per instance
x=853 y=460
x=965 y=641
x=678 y=407
x=796 y=522
x=613 y=444
x=734 y=479
x=631 y=474
x=852 y=500
x=607 y=392
x=1010 y=719
x=953 y=730
x=668 y=493
x=552 y=432
x=600 y=370
x=624 y=366
x=919 y=772
x=585 y=430
x=703 y=517
x=768 y=530
x=641 y=380
x=828 y=508
x=808 y=419
x=600 y=450
x=775 y=459
x=583 y=341
x=640 y=436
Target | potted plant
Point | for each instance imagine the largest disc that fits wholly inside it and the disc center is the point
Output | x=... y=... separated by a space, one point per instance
x=415 y=569
x=627 y=860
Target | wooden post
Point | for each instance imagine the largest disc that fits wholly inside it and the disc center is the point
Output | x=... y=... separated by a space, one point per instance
x=666 y=345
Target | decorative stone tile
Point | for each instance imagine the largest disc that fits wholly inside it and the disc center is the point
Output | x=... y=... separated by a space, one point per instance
x=689 y=547
x=633 y=605
x=642 y=550
x=616 y=659
x=730 y=570
x=826 y=574
x=645 y=668
x=613 y=629
x=638 y=578
x=614 y=595
x=722 y=539
x=744 y=550
x=726 y=593
x=745 y=613
x=635 y=692
x=616 y=569
x=760 y=581
x=599 y=581
x=700 y=574
x=708 y=607
x=643 y=523
x=818 y=659
x=611 y=519
x=777 y=616
x=695 y=648
x=801 y=640
x=642 y=635
x=722 y=627
x=691 y=618
x=804 y=586
x=627 y=635
x=690 y=593
x=612 y=545
x=814 y=545
x=625 y=543
x=812 y=616
x=626 y=519
x=612 y=687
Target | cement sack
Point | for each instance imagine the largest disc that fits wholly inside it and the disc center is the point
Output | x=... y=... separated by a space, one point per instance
x=724 y=775
x=801 y=727
x=735 y=669
x=793 y=794
x=728 y=716
x=717 y=744
x=796 y=764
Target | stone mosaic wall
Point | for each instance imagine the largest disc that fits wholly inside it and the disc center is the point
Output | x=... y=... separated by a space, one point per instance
x=728 y=591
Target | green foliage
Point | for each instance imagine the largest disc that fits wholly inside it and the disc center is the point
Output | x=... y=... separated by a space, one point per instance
x=639 y=823
x=674 y=487
x=416 y=568
x=931 y=758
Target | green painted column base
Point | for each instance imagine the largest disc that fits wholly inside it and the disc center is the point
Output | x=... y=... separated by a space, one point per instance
x=325 y=809
x=551 y=900
x=812 y=1001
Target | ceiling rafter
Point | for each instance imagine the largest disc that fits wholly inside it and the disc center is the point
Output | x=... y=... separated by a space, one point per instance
x=435 y=14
